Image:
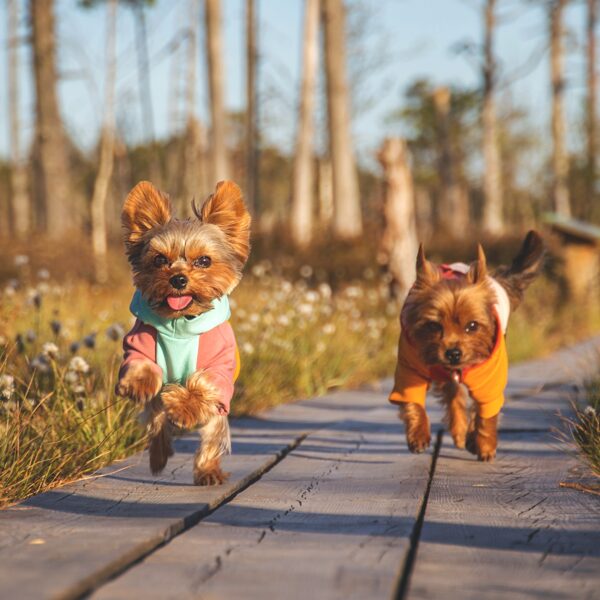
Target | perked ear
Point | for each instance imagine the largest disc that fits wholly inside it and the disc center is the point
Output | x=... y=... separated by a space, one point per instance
x=478 y=270
x=145 y=207
x=226 y=209
x=427 y=272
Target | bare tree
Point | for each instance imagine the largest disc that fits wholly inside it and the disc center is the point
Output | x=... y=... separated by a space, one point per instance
x=347 y=218
x=52 y=161
x=145 y=86
x=107 y=151
x=251 y=109
x=194 y=167
x=453 y=209
x=399 y=244
x=214 y=53
x=560 y=164
x=493 y=221
x=303 y=177
x=20 y=208
x=592 y=18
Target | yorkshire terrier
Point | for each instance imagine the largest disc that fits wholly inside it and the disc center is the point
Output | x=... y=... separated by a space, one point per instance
x=453 y=324
x=180 y=357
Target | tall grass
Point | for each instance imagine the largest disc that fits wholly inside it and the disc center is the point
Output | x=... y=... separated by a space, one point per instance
x=60 y=350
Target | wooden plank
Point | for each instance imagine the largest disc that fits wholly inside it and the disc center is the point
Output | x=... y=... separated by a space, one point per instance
x=81 y=534
x=506 y=529
x=332 y=520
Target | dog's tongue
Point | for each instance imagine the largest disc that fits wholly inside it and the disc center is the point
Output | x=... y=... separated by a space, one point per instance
x=178 y=302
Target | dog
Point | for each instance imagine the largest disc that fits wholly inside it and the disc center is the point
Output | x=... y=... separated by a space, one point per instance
x=453 y=325
x=181 y=358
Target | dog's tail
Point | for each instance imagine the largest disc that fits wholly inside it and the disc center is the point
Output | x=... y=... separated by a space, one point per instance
x=525 y=267
x=160 y=432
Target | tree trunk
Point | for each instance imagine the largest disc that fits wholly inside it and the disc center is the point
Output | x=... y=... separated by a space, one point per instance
x=194 y=168
x=52 y=160
x=252 y=178
x=20 y=208
x=145 y=86
x=218 y=129
x=560 y=165
x=592 y=17
x=453 y=207
x=399 y=242
x=347 y=218
x=303 y=177
x=107 y=147
x=493 y=221
x=325 y=191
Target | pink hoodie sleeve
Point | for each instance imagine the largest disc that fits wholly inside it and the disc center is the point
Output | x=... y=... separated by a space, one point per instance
x=217 y=357
x=139 y=344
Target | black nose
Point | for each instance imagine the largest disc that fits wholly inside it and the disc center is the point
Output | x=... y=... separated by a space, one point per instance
x=178 y=281
x=453 y=355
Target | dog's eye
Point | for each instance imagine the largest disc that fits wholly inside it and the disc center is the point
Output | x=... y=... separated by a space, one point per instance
x=160 y=260
x=433 y=327
x=472 y=326
x=203 y=262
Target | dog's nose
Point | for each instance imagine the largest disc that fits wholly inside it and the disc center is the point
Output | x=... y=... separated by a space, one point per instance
x=453 y=355
x=178 y=281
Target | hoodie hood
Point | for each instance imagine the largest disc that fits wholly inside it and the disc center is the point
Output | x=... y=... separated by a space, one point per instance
x=182 y=327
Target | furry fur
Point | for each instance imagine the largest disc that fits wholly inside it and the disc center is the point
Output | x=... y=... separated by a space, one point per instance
x=209 y=251
x=452 y=324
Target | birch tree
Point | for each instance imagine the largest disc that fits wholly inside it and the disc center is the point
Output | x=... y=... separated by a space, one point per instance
x=214 y=54
x=560 y=164
x=592 y=18
x=493 y=222
x=347 y=218
x=303 y=175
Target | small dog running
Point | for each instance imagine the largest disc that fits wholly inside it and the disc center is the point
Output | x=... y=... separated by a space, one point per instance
x=453 y=324
x=180 y=357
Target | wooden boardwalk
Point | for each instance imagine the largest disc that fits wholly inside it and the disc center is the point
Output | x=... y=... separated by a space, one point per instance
x=324 y=501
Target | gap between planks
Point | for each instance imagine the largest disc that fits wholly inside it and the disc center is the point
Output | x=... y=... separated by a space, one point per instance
x=86 y=588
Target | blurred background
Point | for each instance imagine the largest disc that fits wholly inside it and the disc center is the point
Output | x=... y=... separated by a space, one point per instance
x=356 y=129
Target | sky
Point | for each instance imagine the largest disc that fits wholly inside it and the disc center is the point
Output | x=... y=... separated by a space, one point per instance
x=407 y=39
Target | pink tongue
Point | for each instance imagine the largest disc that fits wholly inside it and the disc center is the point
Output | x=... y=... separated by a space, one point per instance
x=178 y=302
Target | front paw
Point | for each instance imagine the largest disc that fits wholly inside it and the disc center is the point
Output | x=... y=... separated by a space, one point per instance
x=482 y=438
x=141 y=381
x=210 y=476
x=418 y=434
x=176 y=401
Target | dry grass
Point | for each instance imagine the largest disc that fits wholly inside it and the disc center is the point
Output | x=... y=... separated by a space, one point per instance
x=298 y=338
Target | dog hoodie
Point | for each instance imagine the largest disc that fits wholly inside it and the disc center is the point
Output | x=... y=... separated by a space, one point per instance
x=177 y=348
x=485 y=381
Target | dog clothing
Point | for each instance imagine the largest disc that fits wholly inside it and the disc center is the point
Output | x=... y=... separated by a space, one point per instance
x=485 y=381
x=177 y=348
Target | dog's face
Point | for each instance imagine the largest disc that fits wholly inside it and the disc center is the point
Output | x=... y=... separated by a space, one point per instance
x=181 y=266
x=451 y=321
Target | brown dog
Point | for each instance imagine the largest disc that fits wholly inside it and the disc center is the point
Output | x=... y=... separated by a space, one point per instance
x=453 y=326
x=181 y=357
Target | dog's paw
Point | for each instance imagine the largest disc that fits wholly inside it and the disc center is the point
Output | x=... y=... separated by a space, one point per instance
x=212 y=476
x=486 y=455
x=418 y=434
x=141 y=381
x=176 y=401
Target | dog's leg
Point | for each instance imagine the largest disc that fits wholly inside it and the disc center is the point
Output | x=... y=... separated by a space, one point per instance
x=454 y=398
x=416 y=422
x=482 y=438
x=159 y=434
x=195 y=403
x=215 y=441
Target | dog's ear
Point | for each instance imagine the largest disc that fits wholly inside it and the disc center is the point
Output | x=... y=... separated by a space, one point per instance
x=478 y=269
x=427 y=272
x=225 y=208
x=145 y=208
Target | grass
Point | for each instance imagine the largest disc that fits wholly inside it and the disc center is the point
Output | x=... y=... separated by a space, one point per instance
x=60 y=349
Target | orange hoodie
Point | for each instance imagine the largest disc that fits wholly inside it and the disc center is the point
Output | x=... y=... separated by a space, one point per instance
x=485 y=381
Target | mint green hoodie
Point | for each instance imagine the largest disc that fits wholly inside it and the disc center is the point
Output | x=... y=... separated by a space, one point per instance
x=177 y=339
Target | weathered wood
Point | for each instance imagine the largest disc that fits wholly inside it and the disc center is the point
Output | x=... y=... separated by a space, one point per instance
x=333 y=520
x=506 y=529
